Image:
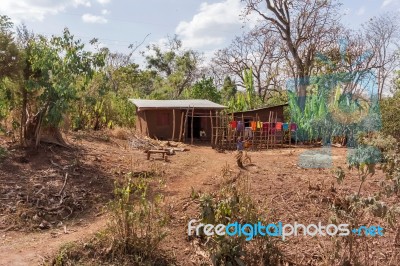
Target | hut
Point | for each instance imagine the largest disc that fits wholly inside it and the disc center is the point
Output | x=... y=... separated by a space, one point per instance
x=176 y=119
x=263 y=114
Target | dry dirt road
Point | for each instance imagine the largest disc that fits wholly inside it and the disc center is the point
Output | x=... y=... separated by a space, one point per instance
x=288 y=191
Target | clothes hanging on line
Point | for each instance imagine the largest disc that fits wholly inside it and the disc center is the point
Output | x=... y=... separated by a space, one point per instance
x=239 y=126
x=253 y=125
x=248 y=132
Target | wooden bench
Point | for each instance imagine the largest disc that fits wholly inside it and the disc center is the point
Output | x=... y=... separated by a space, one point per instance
x=163 y=152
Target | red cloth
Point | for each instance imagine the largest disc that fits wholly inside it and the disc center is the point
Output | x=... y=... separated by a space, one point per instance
x=233 y=124
x=278 y=126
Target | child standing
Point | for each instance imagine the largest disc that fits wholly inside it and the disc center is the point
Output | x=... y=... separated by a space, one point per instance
x=239 y=144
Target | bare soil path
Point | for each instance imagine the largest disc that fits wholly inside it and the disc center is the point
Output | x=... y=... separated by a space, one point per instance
x=289 y=192
x=20 y=249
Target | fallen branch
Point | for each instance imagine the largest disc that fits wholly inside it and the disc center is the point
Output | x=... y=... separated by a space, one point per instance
x=57 y=165
x=65 y=182
x=7 y=229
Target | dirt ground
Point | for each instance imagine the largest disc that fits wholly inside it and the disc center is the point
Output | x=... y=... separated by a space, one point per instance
x=52 y=196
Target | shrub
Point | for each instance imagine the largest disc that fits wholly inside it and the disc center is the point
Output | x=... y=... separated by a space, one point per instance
x=232 y=203
x=137 y=221
x=136 y=228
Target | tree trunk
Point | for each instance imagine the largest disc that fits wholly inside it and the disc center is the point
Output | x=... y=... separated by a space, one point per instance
x=22 y=131
x=303 y=82
x=36 y=132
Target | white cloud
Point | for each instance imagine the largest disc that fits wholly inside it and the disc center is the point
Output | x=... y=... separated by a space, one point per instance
x=386 y=3
x=105 y=12
x=89 y=18
x=103 y=2
x=360 y=11
x=82 y=3
x=212 y=25
x=31 y=10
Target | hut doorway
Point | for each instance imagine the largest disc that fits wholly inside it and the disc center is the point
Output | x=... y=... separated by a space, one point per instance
x=196 y=127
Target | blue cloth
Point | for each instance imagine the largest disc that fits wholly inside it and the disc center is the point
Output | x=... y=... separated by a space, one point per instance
x=239 y=126
x=239 y=145
x=285 y=126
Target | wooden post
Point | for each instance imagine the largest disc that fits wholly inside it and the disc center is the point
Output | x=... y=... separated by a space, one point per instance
x=243 y=127
x=140 y=121
x=173 y=124
x=216 y=125
x=184 y=125
x=269 y=129
x=212 y=129
x=276 y=121
x=180 y=127
x=234 y=137
x=191 y=141
x=147 y=124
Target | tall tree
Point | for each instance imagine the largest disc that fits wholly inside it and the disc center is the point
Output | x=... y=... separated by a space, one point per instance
x=205 y=89
x=259 y=50
x=177 y=65
x=228 y=90
x=305 y=27
x=9 y=69
x=9 y=53
x=383 y=35
x=64 y=67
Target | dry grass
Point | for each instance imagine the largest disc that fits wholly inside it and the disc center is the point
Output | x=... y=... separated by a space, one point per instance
x=120 y=133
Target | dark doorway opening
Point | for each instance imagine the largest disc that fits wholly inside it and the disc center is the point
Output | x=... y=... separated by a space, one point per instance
x=196 y=127
x=246 y=122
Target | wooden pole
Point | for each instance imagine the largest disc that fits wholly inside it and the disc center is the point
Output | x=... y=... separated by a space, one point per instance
x=173 y=124
x=243 y=127
x=140 y=122
x=191 y=141
x=276 y=121
x=180 y=126
x=232 y=140
x=147 y=124
x=216 y=125
x=254 y=133
x=212 y=129
x=184 y=125
x=269 y=129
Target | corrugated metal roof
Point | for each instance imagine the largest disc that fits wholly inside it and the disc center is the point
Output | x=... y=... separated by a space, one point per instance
x=258 y=109
x=177 y=104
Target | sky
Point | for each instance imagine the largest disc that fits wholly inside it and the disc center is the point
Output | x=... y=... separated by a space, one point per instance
x=202 y=25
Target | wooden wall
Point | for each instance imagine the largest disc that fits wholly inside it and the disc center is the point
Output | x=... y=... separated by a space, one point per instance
x=159 y=123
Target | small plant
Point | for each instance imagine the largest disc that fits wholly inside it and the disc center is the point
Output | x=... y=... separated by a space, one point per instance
x=137 y=220
x=3 y=153
x=354 y=209
x=364 y=159
x=232 y=203
x=63 y=255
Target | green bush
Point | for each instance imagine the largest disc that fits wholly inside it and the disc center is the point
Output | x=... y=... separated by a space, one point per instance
x=233 y=203
x=390 y=109
x=138 y=222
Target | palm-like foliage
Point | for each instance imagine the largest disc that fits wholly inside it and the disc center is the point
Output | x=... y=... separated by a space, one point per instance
x=332 y=112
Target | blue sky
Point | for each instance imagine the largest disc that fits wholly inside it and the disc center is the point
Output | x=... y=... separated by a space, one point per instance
x=202 y=25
